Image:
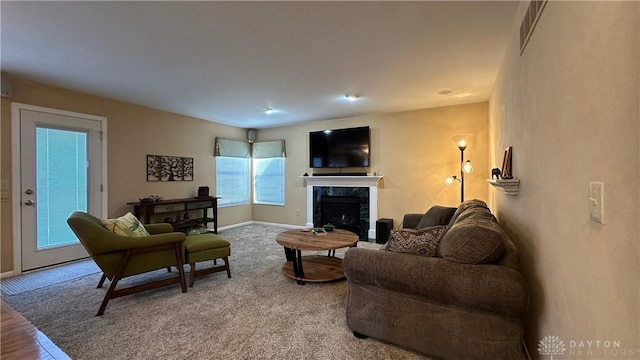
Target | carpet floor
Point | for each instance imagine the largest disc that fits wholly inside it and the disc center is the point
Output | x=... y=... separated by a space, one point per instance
x=257 y=314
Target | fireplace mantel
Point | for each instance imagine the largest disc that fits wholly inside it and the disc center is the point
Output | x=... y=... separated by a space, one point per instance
x=345 y=181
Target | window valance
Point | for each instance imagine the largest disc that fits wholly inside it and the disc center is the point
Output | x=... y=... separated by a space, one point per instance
x=232 y=148
x=268 y=149
x=243 y=149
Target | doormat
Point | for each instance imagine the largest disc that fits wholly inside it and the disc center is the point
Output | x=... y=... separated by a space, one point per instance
x=47 y=277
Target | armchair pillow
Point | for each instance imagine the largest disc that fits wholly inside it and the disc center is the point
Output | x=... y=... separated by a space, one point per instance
x=127 y=225
x=422 y=242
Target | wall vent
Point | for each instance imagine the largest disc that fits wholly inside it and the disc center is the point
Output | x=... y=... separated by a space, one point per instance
x=529 y=22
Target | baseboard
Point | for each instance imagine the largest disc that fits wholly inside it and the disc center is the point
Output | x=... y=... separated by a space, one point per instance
x=222 y=228
x=288 y=226
x=6 y=274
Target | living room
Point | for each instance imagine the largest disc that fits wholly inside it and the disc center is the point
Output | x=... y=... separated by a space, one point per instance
x=568 y=105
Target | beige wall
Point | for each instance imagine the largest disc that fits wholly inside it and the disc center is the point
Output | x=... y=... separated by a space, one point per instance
x=569 y=107
x=413 y=150
x=133 y=132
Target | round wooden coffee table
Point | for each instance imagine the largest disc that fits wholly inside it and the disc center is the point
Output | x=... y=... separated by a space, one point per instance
x=314 y=268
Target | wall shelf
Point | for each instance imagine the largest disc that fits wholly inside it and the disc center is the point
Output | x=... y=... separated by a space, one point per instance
x=508 y=186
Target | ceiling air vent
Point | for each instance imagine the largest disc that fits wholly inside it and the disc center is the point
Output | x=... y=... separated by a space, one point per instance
x=529 y=22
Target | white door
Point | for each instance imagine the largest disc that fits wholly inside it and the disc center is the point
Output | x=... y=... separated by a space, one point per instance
x=61 y=170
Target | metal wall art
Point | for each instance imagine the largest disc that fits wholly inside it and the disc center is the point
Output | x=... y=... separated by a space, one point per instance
x=169 y=168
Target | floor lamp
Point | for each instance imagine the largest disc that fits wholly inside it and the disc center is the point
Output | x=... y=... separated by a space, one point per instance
x=462 y=141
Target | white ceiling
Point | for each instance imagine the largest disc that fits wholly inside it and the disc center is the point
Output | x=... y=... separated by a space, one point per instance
x=227 y=61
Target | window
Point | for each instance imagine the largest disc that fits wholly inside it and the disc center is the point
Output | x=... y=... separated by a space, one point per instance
x=232 y=180
x=232 y=171
x=268 y=181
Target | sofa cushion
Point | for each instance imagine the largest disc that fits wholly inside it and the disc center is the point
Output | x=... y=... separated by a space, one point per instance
x=476 y=213
x=436 y=215
x=474 y=240
x=126 y=225
x=469 y=204
x=424 y=243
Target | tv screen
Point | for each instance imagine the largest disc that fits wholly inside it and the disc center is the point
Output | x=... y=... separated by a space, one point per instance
x=339 y=148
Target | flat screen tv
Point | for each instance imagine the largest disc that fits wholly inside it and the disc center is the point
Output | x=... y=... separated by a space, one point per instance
x=339 y=148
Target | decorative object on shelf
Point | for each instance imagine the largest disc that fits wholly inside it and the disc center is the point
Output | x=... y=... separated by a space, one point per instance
x=169 y=168
x=505 y=182
x=506 y=164
x=462 y=141
x=508 y=186
x=203 y=191
x=186 y=216
x=495 y=172
x=151 y=198
x=168 y=220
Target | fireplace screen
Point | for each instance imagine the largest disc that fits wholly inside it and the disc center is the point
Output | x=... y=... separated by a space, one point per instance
x=345 y=208
x=342 y=212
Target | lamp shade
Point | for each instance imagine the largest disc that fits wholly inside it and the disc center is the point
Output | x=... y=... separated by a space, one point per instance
x=450 y=179
x=462 y=140
x=467 y=168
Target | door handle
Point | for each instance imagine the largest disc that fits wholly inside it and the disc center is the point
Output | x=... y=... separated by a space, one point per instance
x=29 y=203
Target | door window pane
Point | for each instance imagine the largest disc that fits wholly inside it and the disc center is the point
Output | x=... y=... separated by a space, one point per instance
x=61 y=180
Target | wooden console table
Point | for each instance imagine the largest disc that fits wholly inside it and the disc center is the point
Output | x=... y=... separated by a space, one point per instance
x=145 y=210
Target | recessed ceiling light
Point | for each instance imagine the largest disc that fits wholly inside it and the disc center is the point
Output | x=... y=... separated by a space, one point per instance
x=352 y=97
x=444 y=92
x=269 y=111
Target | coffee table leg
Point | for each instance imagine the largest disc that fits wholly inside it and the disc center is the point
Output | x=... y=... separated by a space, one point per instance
x=289 y=254
x=295 y=256
x=297 y=264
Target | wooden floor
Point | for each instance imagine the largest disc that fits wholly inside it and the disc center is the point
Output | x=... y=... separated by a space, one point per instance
x=20 y=340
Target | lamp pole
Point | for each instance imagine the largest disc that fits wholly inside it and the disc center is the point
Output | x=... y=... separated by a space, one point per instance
x=462 y=172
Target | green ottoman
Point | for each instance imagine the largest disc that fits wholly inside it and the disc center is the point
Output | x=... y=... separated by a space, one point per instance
x=205 y=247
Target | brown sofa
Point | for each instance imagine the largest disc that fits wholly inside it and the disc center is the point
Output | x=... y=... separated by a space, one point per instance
x=468 y=301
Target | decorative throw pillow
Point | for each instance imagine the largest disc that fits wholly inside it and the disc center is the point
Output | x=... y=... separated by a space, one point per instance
x=127 y=225
x=424 y=243
x=435 y=216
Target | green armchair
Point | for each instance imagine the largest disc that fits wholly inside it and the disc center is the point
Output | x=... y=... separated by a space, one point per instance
x=122 y=256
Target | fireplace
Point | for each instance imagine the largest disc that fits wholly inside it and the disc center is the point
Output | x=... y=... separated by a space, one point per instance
x=343 y=207
x=347 y=202
x=342 y=212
